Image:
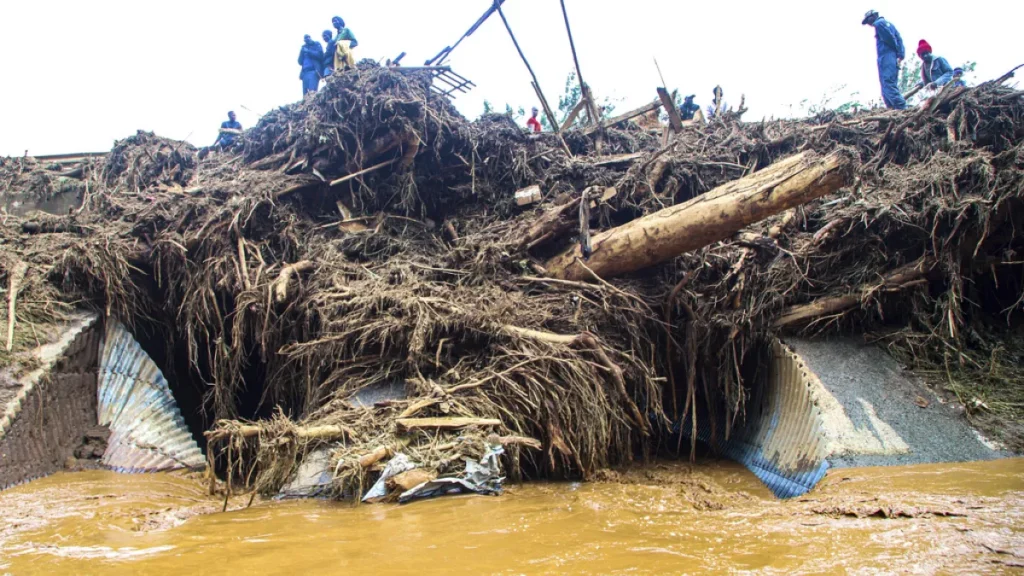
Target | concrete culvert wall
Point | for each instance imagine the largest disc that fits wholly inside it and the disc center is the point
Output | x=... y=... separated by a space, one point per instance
x=53 y=406
x=89 y=397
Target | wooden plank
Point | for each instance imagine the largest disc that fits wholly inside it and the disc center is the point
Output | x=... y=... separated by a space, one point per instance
x=623 y=117
x=445 y=423
x=593 y=111
x=574 y=114
x=674 y=119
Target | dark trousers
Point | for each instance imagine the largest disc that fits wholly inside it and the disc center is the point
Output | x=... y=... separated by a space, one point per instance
x=310 y=82
x=889 y=76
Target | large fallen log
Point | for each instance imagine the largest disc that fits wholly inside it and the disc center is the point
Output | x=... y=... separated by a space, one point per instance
x=715 y=216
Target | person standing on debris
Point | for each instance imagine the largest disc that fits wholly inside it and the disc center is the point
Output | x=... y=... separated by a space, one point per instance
x=311 y=58
x=688 y=109
x=345 y=41
x=332 y=46
x=229 y=131
x=717 y=106
x=891 y=53
x=534 y=123
x=935 y=70
x=958 y=78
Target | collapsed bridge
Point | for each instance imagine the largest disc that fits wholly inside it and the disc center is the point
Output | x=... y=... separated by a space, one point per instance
x=367 y=243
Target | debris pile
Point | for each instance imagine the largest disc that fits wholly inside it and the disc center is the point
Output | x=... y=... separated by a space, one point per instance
x=369 y=239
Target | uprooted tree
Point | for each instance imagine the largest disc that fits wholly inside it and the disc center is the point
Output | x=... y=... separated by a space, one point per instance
x=369 y=239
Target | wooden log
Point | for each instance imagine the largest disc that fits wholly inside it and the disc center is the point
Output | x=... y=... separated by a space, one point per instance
x=528 y=195
x=408 y=480
x=558 y=221
x=326 y=433
x=715 y=216
x=895 y=280
x=626 y=116
x=409 y=424
x=519 y=441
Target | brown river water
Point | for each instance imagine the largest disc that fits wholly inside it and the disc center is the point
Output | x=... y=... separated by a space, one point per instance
x=714 y=518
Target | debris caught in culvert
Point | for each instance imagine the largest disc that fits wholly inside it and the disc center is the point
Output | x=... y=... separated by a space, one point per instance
x=412 y=265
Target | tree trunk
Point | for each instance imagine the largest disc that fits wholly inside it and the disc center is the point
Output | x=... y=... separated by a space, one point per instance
x=707 y=219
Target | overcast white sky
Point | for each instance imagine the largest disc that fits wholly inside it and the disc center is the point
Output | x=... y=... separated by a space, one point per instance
x=79 y=75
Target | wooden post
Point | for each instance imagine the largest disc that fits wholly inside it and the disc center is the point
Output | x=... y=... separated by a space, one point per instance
x=626 y=116
x=675 y=120
x=574 y=114
x=707 y=219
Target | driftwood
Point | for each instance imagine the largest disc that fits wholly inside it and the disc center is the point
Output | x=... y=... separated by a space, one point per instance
x=14 y=285
x=707 y=219
x=325 y=433
x=444 y=423
x=285 y=277
x=626 y=116
x=895 y=280
x=560 y=220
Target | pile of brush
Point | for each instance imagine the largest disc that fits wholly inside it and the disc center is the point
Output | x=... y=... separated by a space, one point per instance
x=369 y=239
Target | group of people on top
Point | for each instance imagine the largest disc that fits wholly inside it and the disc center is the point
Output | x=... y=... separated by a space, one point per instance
x=320 y=61
x=935 y=71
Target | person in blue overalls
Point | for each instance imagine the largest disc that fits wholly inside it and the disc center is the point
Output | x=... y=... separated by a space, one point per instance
x=891 y=53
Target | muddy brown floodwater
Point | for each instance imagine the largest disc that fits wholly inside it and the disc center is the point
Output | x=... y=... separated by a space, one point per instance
x=664 y=519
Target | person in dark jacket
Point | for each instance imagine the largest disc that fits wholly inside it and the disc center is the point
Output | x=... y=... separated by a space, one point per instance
x=332 y=46
x=688 y=109
x=891 y=53
x=311 y=58
x=228 y=131
x=935 y=70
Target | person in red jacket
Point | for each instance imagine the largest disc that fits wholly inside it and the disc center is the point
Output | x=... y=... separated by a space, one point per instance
x=533 y=123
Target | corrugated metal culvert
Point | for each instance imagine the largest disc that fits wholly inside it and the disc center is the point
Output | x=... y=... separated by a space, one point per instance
x=148 y=433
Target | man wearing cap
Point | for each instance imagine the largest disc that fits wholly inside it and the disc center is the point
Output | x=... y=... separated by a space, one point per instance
x=311 y=58
x=935 y=70
x=688 y=109
x=891 y=53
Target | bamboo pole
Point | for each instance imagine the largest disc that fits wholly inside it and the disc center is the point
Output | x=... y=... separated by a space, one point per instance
x=584 y=89
x=536 y=84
